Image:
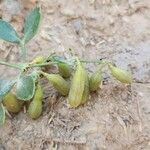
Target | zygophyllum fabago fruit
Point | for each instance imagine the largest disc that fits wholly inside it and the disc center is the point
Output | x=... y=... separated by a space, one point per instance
x=121 y=75
x=11 y=103
x=77 y=86
x=35 y=107
x=38 y=60
x=59 y=83
x=86 y=91
x=64 y=70
x=96 y=80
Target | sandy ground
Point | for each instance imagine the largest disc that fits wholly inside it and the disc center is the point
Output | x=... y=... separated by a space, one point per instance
x=116 y=117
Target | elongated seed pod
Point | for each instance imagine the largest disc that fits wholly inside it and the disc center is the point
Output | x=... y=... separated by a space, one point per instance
x=39 y=93
x=120 y=74
x=59 y=83
x=38 y=60
x=77 y=86
x=95 y=80
x=85 y=96
x=35 y=107
x=11 y=103
x=64 y=70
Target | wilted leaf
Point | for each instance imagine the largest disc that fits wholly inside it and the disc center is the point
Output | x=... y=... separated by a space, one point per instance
x=2 y=114
x=8 y=33
x=5 y=87
x=25 y=87
x=31 y=24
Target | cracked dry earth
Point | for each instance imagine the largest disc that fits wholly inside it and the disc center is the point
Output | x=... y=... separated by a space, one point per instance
x=116 y=117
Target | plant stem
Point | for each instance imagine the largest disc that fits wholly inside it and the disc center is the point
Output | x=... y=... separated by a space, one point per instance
x=83 y=61
x=95 y=62
x=44 y=64
x=23 y=52
x=86 y=61
x=10 y=65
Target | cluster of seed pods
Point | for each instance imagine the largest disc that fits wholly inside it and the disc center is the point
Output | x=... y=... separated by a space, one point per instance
x=75 y=84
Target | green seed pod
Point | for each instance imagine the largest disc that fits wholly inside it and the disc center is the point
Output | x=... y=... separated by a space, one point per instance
x=86 y=91
x=64 y=70
x=38 y=60
x=11 y=103
x=59 y=83
x=96 y=80
x=35 y=107
x=120 y=74
x=77 y=86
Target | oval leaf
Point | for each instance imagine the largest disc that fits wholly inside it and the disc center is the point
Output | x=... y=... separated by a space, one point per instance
x=8 y=33
x=5 y=87
x=25 y=87
x=2 y=114
x=31 y=24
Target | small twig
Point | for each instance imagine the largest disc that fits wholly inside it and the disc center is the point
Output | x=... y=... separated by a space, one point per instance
x=138 y=110
x=24 y=110
x=50 y=120
x=7 y=53
x=139 y=114
x=122 y=124
x=65 y=141
x=8 y=114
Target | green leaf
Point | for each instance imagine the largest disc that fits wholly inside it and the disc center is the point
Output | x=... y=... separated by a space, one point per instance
x=31 y=24
x=25 y=87
x=5 y=87
x=8 y=33
x=2 y=114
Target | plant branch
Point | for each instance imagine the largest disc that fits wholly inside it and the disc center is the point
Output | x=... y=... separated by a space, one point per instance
x=10 y=65
x=83 y=61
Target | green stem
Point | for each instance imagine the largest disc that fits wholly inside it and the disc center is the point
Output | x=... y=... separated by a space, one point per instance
x=44 y=64
x=95 y=62
x=10 y=65
x=83 y=61
x=23 y=52
x=86 y=61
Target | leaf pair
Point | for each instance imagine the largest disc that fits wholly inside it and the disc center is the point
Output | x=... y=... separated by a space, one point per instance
x=9 y=34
